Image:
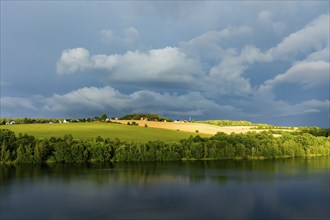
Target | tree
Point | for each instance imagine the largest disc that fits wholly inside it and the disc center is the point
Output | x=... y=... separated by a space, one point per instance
x=24 y=154
x=5 y=153
x=104 y=117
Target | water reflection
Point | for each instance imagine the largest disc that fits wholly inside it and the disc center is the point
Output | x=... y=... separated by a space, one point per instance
x=149 y=172
x=281 y=189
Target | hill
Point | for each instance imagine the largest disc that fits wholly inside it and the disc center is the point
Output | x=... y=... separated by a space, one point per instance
x=201 y=128
x=94 y=129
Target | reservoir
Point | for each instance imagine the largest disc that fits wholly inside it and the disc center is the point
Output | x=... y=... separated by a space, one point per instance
x=264 y=189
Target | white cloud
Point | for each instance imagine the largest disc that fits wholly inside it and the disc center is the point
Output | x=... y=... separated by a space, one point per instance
x=313 y=37
x=158 y=65
x=312 y=106
x=264 y=104
x=320 y=55
x=18 y=103
x=227 y=79
x=229 y=32
x=129 y=37
x=201 y=63
x=210 y=44
x=201 y=50
x=203 y=67
x=108 y=36
x=265 y=18
x=92 y=99
x=308 y=74
x=73 y=60
x=228 y=75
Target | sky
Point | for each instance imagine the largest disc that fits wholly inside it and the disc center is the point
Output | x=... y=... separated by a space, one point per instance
x=261 y=61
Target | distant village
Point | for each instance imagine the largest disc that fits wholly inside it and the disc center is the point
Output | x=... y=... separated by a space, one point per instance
x=103 y=118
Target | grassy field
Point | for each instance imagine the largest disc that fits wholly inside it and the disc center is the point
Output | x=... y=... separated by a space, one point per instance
x=105 y=130
x=207 y=129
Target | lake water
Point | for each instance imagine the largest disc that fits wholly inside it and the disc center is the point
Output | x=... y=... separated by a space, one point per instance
x=270 y=189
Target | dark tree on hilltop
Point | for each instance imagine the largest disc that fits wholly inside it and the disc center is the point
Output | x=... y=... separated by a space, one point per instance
x=149 y=117
x=104 y=117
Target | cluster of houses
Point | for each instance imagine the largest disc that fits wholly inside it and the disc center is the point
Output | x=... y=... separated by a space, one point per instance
x=64 y=121
x=11 y=122
x=109 y=119
x=146 y=119
x=181 y=121
x=176 y=121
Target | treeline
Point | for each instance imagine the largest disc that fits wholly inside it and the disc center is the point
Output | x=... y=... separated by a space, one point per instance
x=149 y=117
x=316 y=131
x=227 y=123
x=28 y=149
x=268 y=126
x=4 y=121
x=243 y=123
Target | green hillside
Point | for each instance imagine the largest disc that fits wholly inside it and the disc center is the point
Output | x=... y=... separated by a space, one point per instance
x=95 y=129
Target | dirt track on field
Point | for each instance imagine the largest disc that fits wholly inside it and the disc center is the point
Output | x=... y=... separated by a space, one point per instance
x=192 y=127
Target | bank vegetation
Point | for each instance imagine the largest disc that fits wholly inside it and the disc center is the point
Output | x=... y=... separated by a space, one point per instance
x=23 y=148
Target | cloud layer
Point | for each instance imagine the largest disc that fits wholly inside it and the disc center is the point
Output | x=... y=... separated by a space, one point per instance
x=209 y=66
x=157 y=65
x=108 y=99
x=307 y=74
x=265 y=62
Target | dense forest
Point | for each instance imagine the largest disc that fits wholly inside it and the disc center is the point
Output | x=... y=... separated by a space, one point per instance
x=28 y=149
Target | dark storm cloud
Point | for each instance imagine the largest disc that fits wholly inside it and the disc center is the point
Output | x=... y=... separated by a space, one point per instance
x=174 y=58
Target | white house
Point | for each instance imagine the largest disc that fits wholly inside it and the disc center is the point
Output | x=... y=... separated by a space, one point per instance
x=10 y=122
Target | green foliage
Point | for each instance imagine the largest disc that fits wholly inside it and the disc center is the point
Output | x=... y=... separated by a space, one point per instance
x=316 y=131
x=133 y=123
x=252 y=145
x=100 y=151
x=104 y=117
x=226 y=123
x=149 y=117
x=30 y=120
x=267 y=126
x=26 y=120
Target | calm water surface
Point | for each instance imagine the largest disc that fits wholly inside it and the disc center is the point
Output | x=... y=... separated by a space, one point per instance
x=272 y=189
